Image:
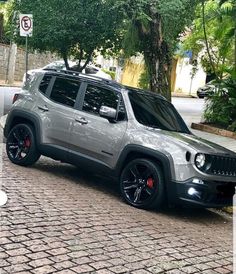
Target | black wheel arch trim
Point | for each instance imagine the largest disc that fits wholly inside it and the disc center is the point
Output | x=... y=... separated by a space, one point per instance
x=149 y=153
x=143 y=150
x=25 y=115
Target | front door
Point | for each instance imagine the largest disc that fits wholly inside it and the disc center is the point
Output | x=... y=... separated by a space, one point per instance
x=93 y=136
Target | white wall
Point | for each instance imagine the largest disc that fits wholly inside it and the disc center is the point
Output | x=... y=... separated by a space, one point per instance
x=183 y=77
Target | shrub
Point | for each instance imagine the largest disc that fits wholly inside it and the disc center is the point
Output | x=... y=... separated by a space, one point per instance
x=221 y=105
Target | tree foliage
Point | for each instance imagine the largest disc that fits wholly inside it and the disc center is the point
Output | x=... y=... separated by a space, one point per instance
x=153 y=28
x=213 y=38
x=221 y=105
x=219 y=22
x=78 y=27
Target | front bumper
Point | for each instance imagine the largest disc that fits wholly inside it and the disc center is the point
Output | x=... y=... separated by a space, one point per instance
x=212 y=194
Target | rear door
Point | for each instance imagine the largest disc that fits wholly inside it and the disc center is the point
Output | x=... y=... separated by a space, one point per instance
x=55 y=106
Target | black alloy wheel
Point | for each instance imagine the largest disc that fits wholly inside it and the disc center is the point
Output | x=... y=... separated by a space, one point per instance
x=141 y=184
x=21 y=146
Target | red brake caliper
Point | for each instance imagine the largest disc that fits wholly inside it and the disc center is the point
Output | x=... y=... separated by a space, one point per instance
x=27 y=142
x=150 y=182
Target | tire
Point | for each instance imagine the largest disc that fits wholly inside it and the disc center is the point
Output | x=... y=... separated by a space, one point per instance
x=21 y=145
x=142 y=184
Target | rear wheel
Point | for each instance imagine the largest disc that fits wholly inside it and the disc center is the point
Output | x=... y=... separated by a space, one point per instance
x=142 y=185
x=21 y=145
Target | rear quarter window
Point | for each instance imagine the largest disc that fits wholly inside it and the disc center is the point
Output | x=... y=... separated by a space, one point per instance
x=45 y=83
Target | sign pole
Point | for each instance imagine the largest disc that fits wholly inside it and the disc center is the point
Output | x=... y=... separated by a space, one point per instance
x=26 y=55
x=26 y=30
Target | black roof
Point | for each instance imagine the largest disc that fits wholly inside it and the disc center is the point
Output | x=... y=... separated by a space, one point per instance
x=96 y=79
x=91 y=78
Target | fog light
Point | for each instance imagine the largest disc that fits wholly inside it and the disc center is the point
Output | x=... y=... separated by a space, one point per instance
x=193 y=192
x=198 y=181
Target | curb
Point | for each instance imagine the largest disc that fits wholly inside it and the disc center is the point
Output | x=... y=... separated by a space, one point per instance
x=214 y=130
x=180 y=95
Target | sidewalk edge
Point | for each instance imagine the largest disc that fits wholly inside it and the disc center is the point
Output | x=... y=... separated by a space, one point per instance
x=214 y=130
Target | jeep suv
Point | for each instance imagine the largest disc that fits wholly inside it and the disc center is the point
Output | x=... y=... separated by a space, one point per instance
x=127 y=133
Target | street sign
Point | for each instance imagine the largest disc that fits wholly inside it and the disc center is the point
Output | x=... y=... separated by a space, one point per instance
x=26 y=25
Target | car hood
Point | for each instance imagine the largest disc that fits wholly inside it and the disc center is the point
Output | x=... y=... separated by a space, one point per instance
x=198 y=144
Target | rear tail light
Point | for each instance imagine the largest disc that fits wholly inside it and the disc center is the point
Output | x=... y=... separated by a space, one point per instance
x=16 y=96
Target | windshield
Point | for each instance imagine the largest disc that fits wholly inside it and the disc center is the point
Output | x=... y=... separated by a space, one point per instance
x=152 y=111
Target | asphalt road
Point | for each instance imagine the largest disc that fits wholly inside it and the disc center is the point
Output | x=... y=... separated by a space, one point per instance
x=191 y=109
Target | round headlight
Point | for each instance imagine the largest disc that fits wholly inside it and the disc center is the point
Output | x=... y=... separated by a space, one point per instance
x=200 y=160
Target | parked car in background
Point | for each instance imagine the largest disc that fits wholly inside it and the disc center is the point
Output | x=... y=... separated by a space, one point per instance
x=206 y=90
x=90 y=69
x=8 y=95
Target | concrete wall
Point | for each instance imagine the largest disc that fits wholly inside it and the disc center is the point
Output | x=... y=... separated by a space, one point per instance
x=132 y=71
x=3 y=61
x=181 y=79
x=36 y=60
x=184 y=81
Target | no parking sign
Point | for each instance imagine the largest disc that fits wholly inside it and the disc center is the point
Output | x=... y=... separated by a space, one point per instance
x=26 y=24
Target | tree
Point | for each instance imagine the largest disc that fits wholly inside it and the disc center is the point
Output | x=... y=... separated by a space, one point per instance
x=229 y=10
x=71 y=26
x=153 y=30
x=212 y=37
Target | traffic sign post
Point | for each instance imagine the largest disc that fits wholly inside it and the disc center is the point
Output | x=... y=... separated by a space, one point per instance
x=26 y=25
x=26 y=30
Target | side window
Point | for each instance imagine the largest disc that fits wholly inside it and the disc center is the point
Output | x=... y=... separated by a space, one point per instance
x=65 y=91
x=95 y=97
x=44 y=83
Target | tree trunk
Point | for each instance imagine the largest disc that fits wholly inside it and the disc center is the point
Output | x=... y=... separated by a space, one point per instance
x=206 y=40
x=65 y=58
x=156 y=55
x=159 y=71
x=87 y=61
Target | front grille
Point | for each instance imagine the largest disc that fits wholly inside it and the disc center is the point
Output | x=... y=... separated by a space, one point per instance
x=221 y=165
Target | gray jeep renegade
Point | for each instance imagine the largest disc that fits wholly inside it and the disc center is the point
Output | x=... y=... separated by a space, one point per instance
x=122 y=132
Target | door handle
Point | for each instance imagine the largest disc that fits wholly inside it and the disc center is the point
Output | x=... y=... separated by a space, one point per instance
x=44 y=108
x=81 y=120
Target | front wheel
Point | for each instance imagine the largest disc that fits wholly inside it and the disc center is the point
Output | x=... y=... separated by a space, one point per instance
x=21 y=145
x=142 y=185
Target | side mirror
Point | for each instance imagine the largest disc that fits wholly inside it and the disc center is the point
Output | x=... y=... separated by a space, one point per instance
x=108 y=113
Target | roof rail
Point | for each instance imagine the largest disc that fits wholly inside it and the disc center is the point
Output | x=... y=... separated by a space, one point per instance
x=89 y=76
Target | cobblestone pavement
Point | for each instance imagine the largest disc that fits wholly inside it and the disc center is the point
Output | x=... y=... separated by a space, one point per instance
x=60 y=220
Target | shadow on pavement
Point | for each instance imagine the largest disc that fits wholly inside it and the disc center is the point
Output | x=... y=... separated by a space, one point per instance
x=111 y=187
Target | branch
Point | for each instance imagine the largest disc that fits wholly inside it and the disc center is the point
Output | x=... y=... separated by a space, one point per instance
x=87 y=61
